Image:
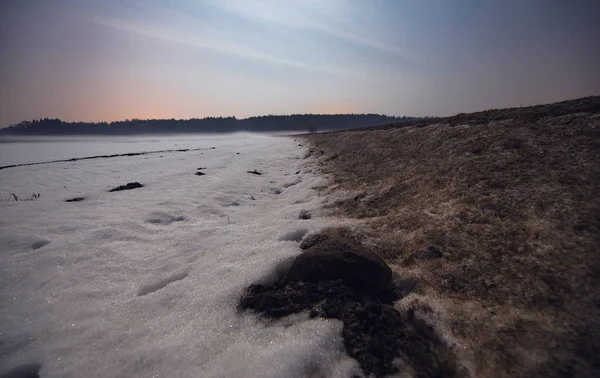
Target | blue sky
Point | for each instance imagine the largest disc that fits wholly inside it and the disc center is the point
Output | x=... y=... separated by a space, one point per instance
x=111 y=60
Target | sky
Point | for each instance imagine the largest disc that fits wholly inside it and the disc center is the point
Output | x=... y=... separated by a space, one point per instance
x=111 y=60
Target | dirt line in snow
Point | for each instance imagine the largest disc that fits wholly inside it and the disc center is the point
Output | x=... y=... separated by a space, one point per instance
x=105 y=157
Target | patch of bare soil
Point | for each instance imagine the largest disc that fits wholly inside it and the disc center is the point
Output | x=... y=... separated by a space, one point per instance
x=337 y=277
x=76 y=199
x=496 y=216
x=128 y=186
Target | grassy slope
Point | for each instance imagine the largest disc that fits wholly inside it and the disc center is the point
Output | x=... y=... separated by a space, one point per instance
x=512 y=200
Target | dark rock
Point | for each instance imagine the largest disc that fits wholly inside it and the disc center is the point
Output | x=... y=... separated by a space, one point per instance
x=129 y=186
x=200 y=168
x=341 y=259
x=200 y=173
x=430 y=253
x=304 y=214
x=76 y=199
x=255 y=172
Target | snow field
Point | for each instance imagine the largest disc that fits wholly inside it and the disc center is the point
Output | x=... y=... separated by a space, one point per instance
x=144 y=283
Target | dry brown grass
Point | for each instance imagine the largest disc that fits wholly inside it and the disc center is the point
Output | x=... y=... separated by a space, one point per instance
x=511 y=199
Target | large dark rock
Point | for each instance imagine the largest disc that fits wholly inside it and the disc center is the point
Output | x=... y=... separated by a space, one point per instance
x=339 y=258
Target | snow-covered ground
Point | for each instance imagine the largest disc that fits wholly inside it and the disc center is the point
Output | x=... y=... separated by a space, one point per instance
x=144 y=283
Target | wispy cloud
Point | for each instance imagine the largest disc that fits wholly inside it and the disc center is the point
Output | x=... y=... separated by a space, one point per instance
x=305 y=15
x=198 y=40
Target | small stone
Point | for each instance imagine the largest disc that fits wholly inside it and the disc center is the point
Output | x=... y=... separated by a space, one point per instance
x=76 y=199
x=304 y=214
x=129 y=186
x=430 y=253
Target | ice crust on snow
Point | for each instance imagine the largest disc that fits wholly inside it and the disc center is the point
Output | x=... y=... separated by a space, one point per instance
x=145 y=283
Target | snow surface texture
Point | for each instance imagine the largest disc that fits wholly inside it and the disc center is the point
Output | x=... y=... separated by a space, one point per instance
x=145 y=282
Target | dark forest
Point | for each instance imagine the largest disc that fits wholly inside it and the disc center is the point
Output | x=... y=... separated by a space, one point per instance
x=270 y=123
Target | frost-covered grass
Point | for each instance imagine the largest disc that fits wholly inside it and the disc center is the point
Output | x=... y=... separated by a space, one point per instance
x=145 y=282
x=495 y=215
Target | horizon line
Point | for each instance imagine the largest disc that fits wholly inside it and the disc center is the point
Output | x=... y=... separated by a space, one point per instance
x=215 y=117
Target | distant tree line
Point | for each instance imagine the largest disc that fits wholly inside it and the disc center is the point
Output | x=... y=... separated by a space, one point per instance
x=269 y=123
